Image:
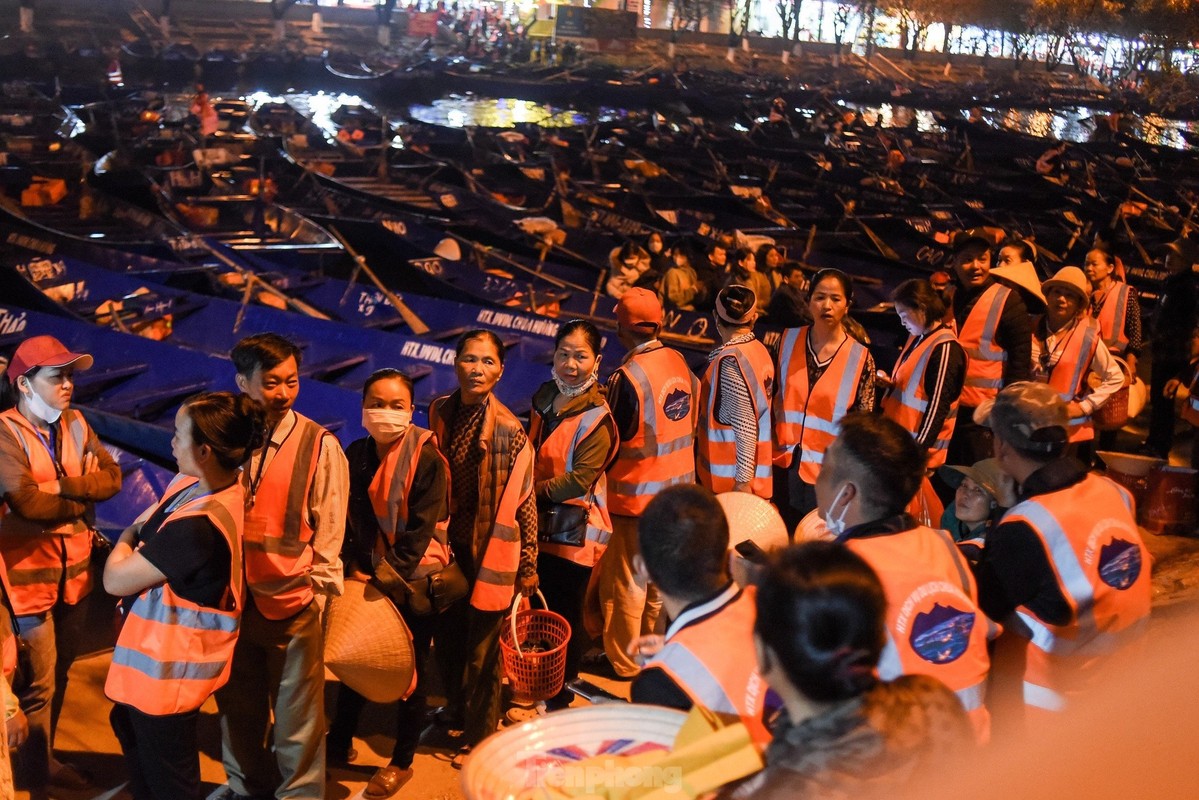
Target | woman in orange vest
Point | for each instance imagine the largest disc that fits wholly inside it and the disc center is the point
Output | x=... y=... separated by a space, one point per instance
x=927 y=379
x=492 y=531
x=398 y=509
x=53 y=470
x=819 y=635
x=1067 y=347
x=575 y=437
x=179 y=569
x=823 y=374
x=733 y=452
x=1117 y=308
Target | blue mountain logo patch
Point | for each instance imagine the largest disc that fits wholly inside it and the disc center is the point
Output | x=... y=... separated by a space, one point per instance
x=941 y=634
x=1119 y=564
x=677 y=405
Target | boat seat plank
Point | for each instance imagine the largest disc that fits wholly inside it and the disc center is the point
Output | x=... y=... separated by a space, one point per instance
x=150 y=404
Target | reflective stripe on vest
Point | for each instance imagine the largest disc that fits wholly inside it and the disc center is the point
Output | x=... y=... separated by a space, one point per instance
x=389 y=491
x=713 y=661
x=984 y=369
x=1069 y=375
x=1102 y=569
x=661 y=452
x=1113 y=317
x=172 y=654
x=934 y=624
x=716 y=455
x=42 y=558
x=278 y=532
x=556 y=457
x=499 y=562
x=811 y=421
x=907 y=401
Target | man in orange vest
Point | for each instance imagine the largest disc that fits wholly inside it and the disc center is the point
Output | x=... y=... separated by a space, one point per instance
x=654 y=400
x=297 y=489
x=870 y=473
x=707 y=656
x=1066 y=568
x=994 y=328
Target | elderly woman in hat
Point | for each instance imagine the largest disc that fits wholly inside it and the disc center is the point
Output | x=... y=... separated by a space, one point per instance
x=53 y=471
x=982 y=493
x=733 y=453
x=1068 y=353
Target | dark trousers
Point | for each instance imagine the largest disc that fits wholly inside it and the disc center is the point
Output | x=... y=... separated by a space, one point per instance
x=467 y=646
x=52 y=637
x=410 y=713
x=161 y=753
x=1161 y=409
x=564 y=585
x=971 y=442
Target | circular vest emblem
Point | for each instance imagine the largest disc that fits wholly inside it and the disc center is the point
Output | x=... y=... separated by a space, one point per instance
x=941 y=634
x=1119 y=564
x=677 y=405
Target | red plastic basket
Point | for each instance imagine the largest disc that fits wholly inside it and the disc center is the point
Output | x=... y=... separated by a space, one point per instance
x=537 y=674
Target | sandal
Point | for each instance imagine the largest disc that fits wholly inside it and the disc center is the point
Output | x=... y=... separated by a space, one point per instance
x=386 y=781
x=460 y=757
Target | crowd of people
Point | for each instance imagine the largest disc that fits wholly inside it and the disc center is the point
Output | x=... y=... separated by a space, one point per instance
x=607 y=505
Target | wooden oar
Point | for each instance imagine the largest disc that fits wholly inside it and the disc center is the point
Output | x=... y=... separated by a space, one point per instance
x=414 y=322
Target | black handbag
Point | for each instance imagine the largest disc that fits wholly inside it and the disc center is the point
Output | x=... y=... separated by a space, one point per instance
x=428 y=594
x=562 y=523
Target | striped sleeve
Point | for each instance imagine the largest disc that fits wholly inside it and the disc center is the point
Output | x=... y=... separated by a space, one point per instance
x=737 y=411
x=943 y=379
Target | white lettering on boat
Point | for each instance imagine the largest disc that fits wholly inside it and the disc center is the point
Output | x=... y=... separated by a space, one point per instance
x=517 y=322
x=434 y=354
x=10 y=323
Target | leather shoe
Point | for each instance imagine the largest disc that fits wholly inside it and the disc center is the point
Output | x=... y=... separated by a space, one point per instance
x=341 y=758
x=71 y=778
x=386 y=781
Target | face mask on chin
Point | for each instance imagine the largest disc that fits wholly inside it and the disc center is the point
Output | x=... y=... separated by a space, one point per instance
x=575 y=391
x=836 y=526
x=40 y=408
x=385 y=425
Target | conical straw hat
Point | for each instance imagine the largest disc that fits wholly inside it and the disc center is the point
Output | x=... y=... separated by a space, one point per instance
x=367 y=645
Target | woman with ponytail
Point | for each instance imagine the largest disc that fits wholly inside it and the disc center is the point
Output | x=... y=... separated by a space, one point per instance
x=179 y=569
x=818 y=636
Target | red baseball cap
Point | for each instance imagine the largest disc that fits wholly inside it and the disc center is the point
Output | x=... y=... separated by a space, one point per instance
x=44 y=351
x=639 y=308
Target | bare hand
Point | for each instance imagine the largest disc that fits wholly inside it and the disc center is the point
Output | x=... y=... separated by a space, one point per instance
x=17 y=730
x=529 y=584
x=643 y=648
x=1131 y=361
x=1074 y=410
x=90 y=463
x=50 y=487
x=1172 y=387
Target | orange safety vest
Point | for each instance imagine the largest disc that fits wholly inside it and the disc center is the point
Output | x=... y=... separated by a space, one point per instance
x=172 y=654
x=1102 y=567
x=907 y=401
x=716 y=456
x=661 y=453
x=1069 y=375
x=811 y=420
x=389 y=491
x=555 y=456
x=934 y=625
x=984 y=369
x=278 y=531
x=495 y=579
x=47 y=563
x=713 y=661
x=1112 y=315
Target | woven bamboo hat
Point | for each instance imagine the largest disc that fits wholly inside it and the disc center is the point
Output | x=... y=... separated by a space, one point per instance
x=367 y=645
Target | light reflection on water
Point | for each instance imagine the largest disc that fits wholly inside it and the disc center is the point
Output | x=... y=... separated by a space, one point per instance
x=458 y=112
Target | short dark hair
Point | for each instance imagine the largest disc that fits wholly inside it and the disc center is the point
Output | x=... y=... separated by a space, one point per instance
x=485 y=335
x=881 y=457
x=821 y=612
x=919 y=294
x=1027 y=251
x=589 y=331
x=387 y=373
x=262 y=351
x=232 y=425
x=789 y=268
x=684 y=538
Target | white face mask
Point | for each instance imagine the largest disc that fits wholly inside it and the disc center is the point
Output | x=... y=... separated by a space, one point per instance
x=40 y=408
x=575 y=391
x=836 y=526
x=385 y=425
